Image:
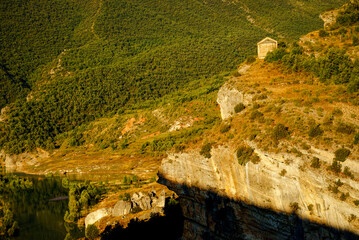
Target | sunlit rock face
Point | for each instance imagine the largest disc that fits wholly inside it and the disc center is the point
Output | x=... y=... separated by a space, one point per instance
x=221 y=199
x=229 y=97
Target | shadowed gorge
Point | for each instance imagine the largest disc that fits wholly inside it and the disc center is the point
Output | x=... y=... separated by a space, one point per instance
x=209 y=215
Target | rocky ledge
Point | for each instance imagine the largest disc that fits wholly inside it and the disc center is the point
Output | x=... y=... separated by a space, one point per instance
x=138 y=202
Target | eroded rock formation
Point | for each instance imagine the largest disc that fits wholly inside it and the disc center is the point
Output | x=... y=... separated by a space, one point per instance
x=228 y=97
x=221 y=199
x=149 y=201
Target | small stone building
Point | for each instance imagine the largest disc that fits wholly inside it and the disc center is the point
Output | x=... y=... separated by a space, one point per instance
x=265 y=46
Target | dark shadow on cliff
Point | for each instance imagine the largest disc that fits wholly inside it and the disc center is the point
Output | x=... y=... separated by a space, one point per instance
x=167 y=227
x=209 y=216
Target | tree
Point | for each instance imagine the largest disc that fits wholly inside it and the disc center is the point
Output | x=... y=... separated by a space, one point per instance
x=92 y=232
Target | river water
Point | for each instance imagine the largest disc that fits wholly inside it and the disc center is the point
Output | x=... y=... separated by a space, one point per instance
x=38 y=217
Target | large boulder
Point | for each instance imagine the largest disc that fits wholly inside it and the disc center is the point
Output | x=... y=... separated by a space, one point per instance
x=141 y=200
x=97 y=215
x=121 y=208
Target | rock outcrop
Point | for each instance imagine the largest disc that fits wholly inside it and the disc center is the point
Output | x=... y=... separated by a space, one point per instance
x=221 y=199
x=150 y=201
x=97 y=215
x=329 y=18
x=17 y=162
x=229 y=97
x=121 y=208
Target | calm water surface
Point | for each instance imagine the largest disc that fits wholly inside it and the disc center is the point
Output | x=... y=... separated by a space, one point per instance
x=39 y=218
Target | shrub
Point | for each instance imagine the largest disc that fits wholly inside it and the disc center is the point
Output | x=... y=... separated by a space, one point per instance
x=260 y=97
x=256 y=114
x=225 y=128
x=251 y=59
x=294 y=206
x=283 y=172
x=296 y=152
x=315 y=131
x=236 y=73
x=352 y=217
x=305 y=146
x=345 y=128
x=246 y=154
x=239 y=107
x=341 y=154
x=334 y=189
x=310 y=207
x=356 y=138
x=279 y=132
x=206 y=150
x=339 y=183
x=344 y=197
x=323 y=33
x=336 y=166
x=355 y=41
x=348 y=172
x=92 y=232
x=136 y=209
x=315 y=163
x=125 y=197
x=356 y=202
x=276 y=55
x=337 y=112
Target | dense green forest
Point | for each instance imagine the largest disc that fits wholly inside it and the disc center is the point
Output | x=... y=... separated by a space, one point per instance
x=76 y=61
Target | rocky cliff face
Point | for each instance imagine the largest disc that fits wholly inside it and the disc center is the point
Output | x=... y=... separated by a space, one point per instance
x=221 y=199
x=228 y=97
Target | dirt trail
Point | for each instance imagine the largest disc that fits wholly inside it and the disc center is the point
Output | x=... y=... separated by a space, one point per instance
x=94 y=20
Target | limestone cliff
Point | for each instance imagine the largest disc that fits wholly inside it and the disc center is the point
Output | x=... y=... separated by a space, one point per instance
x=280 y=196
x=221 y=199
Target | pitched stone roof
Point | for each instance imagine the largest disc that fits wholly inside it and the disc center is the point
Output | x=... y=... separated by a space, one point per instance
x=266 y=40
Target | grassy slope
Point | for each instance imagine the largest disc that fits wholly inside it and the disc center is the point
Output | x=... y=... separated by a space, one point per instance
x=122 y=53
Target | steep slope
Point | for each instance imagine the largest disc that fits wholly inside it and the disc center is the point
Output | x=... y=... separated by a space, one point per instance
x=103 y=57
x=274 y=170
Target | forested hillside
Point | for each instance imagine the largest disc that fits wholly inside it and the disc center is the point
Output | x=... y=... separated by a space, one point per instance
x=65 y=63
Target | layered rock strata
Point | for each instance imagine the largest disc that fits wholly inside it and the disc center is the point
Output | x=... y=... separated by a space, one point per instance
x=221 y=199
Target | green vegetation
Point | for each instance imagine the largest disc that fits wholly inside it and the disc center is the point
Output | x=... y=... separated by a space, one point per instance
x=239 y=107
x=348 y=173
x=92 y=232
x=336 y=166
x=341 y=154
x=246 y=154
x=323 y=33
x=339 y=183
x=225 y=128
x=279 y=132
x=206 y=150
x=333 y=66
x=345 y=128
x=315 y=131
x=83 y=60
x=294 y=206
x=315 y=163
x=350 y=15
x=81 y=196
x=8 y=225
x=344 y=196
x=333 y=188
x=356 y=139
